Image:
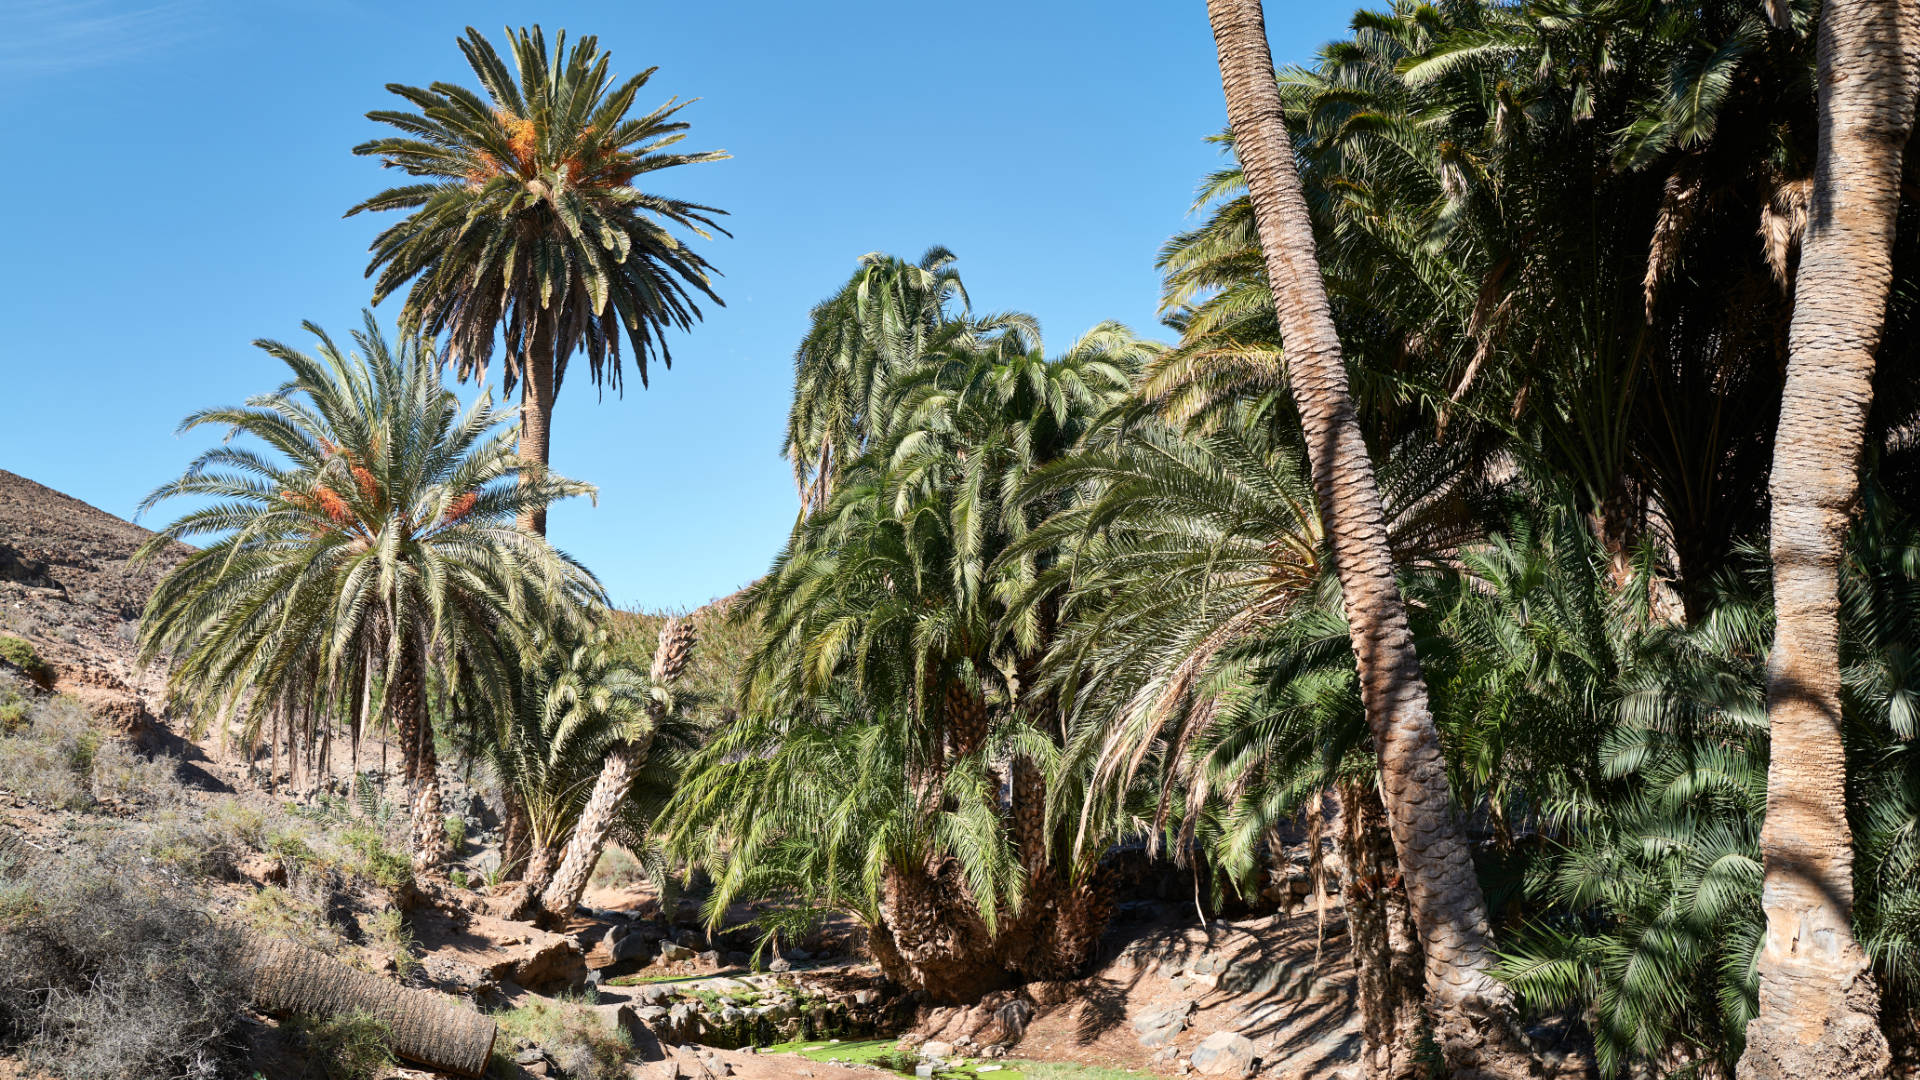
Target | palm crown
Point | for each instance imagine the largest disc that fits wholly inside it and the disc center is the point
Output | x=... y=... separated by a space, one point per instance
x=381 y=540
x=527 y=218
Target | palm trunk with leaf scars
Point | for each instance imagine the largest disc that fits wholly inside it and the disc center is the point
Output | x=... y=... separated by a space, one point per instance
x=616 y=778
x=1471 y=1011
x=1819 y=1007
x=420 y=763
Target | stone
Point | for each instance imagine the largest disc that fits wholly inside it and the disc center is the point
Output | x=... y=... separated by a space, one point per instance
x=654 y=994
x=1158 y=1028
x=935 y=1048
x=631 y=947
x=627 y=1019
x=780 y=966
x=710 y=958
x=799 y=954
x=675 y=953
x=1224 y=1053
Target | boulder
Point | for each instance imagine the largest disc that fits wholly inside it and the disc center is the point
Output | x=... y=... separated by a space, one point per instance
x=631 y=947
x=1224 y=1053
x=1157 y=1028
x=935 y=1048
x=675 y=953
x=625 y=1018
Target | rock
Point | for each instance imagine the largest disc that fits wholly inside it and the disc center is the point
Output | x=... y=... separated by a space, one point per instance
x=631 y=947
x=799 y=954
x=654 y=994
x=710 y=958
x=625 y=1018
x=1224 y=1053
x=935 y=1048
x=689 y=940
x=675 y=953
x=1157 y=1028
x=780 y=966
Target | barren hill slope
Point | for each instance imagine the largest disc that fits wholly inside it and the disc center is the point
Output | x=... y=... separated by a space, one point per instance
x=67 y=586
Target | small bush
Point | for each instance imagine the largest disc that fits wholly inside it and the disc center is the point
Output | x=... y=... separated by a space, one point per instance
x=584 y=1046
x=375 y=860
x=294 y=913
x=617 y=869
x=351 y=1046
x=50 y=756
x=21 y=654
x=456 y=827
x=390 y=937
x=107 y=973
x=122 y=773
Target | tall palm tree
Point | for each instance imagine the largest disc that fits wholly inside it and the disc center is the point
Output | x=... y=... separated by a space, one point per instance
x=381 y=541
x=1471 y=1010
x=619 y=769
x=1818 y=1006
x=527 y=223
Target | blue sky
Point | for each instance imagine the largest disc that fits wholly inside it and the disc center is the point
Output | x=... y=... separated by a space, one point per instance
x=179 y=170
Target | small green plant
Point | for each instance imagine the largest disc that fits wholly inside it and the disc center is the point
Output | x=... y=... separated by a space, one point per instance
x=392 y=938
x=350 y=1046
x=459 y=878
x=376 y=861
x=21 y=654
x=585 y=1047
x=456 y=827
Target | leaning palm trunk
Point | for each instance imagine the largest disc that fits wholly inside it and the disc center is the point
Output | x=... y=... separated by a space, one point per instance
x=1386 y=949
x=1818 y=1004
x=427 y=1028
x=1471 y=1011
x=616 y=777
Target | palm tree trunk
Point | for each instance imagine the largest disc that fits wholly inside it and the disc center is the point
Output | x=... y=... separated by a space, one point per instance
x=610 y=789
x=420 y=763
x=516 y=835
x=1385 y=946
x=537 y=370
x=1472 y=1012
x=617 y=774
x=1818 y=1004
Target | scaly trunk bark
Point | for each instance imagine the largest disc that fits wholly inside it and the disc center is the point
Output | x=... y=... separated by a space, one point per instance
x=432 y=1029
x=582 y=852
x=420 y=764
x=516 y=840
x=1472 y=1012
x=1386 y=950
x=1819 y=1008
x=536 y=414
x=617 y=774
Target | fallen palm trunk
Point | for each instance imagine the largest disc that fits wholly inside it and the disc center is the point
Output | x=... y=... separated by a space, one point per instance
x=428 y=1028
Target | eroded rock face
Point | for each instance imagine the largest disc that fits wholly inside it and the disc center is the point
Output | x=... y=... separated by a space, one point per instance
x=1158 y=1027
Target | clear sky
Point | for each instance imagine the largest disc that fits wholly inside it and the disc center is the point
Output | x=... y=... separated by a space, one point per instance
x=177 y=173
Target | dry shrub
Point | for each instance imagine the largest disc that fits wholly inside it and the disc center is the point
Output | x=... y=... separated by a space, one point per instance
x=107 y=973
x=350 y=1046
x=579 y=1041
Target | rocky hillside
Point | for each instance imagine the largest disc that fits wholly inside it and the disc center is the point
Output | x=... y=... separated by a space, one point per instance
x=69 y=587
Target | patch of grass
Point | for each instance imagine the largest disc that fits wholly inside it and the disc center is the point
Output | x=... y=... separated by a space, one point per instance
x=283 y=912
x=351 y=1046
x=584 y=1046
x=376 y=860
x=389 y=936
x=49 y=757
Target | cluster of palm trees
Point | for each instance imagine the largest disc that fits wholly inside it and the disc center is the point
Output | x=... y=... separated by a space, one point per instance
x=1529 y=502
x=1511 y=339
x=380 y=560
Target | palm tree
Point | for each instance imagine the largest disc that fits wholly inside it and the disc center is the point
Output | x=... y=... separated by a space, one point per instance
x=1818 y=1004
x=1471 y=1010
x=382 y=544
x=619 y=770
x=881 y=323
x=527 y=224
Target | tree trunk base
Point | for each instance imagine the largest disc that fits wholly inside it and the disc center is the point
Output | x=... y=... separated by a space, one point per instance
x=1480 y=1044
x=1844 y=1041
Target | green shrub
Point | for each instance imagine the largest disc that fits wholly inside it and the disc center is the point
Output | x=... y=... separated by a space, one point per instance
x=21 y=654
x=375 y=861
x=351 y=1046
x=456 y=827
